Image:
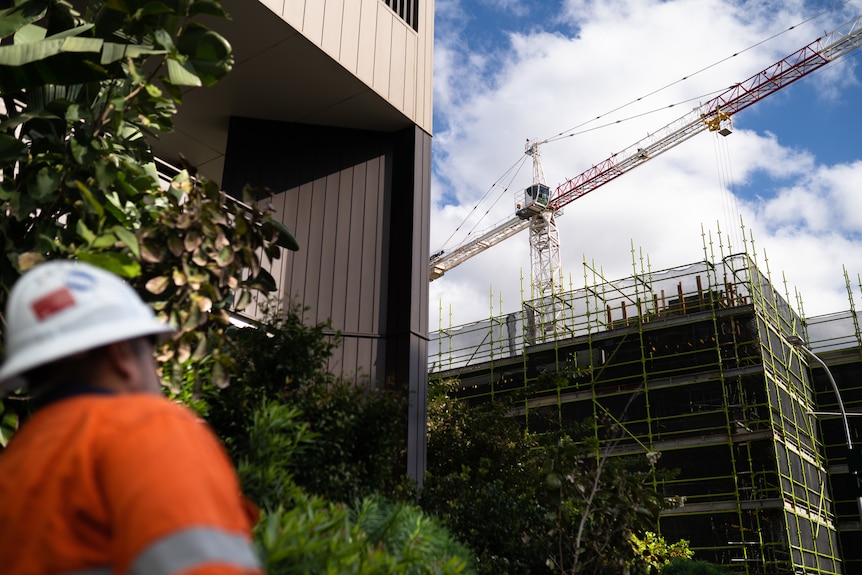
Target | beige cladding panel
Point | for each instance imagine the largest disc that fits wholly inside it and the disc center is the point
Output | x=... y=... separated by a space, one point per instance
x=373 y=43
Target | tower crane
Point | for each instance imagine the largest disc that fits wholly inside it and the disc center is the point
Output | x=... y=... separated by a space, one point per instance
x=538 y=208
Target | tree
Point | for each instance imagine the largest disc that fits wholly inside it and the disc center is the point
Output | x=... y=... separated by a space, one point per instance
x=82 y=94
x=360 y=443
x=598 y=501
x=530 y=502
x=653 y=554
x=482 y=479
x=305 y=533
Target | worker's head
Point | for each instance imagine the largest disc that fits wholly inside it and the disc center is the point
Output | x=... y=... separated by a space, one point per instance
x=65 y=319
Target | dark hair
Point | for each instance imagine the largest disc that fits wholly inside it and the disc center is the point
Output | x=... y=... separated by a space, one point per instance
x=75 y=369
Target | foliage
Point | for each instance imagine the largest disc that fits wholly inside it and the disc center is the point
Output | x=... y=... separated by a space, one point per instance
x=301 y=533
x=528 y=502
x=483 y=471
x=653 y=553
x=280 y=354
x=276 y=436
x=81 y=96
x=598 y=502
x=360 y=433
x=687 y=567
x=315 y=536
x=8 y=424
x=420 y=544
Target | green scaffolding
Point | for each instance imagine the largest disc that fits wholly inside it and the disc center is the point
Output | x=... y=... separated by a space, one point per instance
x=692 y=364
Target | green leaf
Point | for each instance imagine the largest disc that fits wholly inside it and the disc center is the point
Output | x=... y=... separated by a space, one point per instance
x=119 y=263
x=85 y=191
x=285 y=238
x=78 y=44
x=153 y=8
x=84 y=232
x=104 y=241
x=47 y=183
x=30 y=33
x=113 y=52
x=8 y=426
x=15 y=18
x=182 y=74
x=208 y=53
x=10 y=149
x=20 y=54
x=129 y=239
x=210 y=7
x=118 y=5
x=164 y=39
x=263 y=281
x=79 y=151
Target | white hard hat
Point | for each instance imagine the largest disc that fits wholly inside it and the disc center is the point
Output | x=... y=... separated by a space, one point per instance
x=62 y=307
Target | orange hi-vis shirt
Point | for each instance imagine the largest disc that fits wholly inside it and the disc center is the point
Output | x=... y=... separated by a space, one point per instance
x=121 y=485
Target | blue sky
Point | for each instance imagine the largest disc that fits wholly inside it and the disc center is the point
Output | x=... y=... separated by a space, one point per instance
x=508 y=70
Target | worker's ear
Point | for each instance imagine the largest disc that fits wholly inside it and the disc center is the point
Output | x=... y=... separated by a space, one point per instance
x=122 y=361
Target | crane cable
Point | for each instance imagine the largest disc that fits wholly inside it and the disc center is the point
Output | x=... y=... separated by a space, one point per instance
x=729 y=202
x=514 y=169
x=575 y=130
x=571 y=131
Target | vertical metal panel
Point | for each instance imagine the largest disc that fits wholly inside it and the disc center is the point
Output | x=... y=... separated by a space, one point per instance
x=383 y=51
x=367 y=39
x=350 y=22
x=355 y=264
x=398 y=65
x=410 y=88
x=388 y=45
x=331 y=262
x=312 y=21
x=332 y=28
x=358 y=203
x=341 y=268
x=425 y=68
x=292 y=10
x=367 y=282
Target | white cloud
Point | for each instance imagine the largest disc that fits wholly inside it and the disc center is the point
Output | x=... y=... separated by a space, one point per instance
x=542 y=83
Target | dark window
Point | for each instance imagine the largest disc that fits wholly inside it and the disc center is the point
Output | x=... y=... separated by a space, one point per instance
x=408 y=10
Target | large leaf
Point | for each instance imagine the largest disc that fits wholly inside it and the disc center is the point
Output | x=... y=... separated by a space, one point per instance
x=285 y=238
x=119 y=263
x=20 y=54
x=30 y=33
x=182 y=74
x=13 y=19
x=211 y=7
x=10 y=149
x=207 y=51
x=113 y=52
x=262 y=281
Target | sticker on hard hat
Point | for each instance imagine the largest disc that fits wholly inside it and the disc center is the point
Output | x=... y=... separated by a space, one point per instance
x=80 y=280
x=52 y=303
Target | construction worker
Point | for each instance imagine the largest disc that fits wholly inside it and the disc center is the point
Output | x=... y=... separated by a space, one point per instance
x=107 y=477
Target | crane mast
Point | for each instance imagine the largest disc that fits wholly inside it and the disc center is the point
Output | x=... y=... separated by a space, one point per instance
x=539 y=207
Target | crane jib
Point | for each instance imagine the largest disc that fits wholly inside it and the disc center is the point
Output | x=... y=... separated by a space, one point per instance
x=709 y=116
x=736 y=98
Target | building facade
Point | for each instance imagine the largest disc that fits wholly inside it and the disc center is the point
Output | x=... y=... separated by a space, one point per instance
x=329 y=106
x=692 y=363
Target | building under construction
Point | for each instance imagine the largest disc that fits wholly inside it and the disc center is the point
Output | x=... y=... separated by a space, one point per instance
x=694 y=363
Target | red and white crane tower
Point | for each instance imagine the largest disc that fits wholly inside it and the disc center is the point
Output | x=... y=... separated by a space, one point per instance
x=538 y=208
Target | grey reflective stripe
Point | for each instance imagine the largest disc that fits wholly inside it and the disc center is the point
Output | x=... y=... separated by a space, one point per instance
x=194 y=547
x=93 y=571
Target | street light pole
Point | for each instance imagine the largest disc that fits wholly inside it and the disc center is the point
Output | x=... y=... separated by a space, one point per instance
x=852 y=463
